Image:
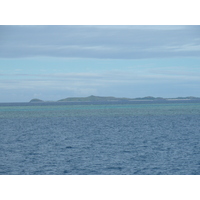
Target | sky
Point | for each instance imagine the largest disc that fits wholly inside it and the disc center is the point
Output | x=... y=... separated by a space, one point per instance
x=56 y=62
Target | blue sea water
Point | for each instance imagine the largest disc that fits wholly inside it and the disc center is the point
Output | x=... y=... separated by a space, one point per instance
x=131 y=138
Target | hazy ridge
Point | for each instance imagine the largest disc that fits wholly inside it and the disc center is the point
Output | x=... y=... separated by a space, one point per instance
x=99 y=98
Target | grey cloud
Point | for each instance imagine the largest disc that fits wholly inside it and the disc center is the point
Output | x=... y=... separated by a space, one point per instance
x=116 y=42
x=60 y=76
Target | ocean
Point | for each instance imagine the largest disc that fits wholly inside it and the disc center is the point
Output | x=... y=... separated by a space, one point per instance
x=102 y=138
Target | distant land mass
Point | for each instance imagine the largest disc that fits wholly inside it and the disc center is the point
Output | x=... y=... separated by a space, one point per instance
x=36 y=100
x=93 y=98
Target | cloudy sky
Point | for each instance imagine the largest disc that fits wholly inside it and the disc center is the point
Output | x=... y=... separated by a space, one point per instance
x=55 y=62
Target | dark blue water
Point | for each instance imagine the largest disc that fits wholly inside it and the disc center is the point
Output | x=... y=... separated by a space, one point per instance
x=102 y=138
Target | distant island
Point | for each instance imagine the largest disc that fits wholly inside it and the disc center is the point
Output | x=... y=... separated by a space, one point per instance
x=93 y=98
x=36 y=100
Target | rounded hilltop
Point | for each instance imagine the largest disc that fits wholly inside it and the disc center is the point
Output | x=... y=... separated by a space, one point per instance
x=36 y=100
